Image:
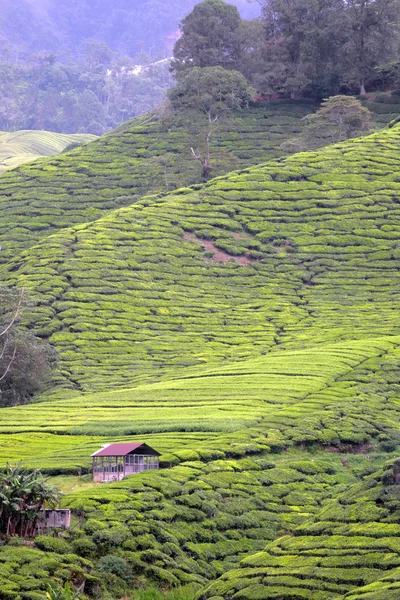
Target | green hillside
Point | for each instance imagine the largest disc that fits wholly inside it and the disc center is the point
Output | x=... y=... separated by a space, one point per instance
x=145 y=156
x=25 y=146
x=249 y=330
x=320 y=422
x=301 y=250
x=352 y=544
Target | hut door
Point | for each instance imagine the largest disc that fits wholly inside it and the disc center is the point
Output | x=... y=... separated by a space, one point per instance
x=140 y=463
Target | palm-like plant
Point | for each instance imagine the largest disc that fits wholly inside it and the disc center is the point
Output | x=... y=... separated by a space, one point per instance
x=66 y=593
x=23 y=496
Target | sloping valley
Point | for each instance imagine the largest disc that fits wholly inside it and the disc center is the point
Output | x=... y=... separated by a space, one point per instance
x=268 y=380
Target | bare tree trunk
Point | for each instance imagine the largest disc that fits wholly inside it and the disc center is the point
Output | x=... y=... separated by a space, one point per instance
x=5 y=333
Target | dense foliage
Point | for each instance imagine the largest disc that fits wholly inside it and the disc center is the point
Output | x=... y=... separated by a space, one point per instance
x=23 y=496
x=92 y=96
x=303 y=48
x=207 y=95
x=25 y=361
x=78 y=66
x=337 y=119
x=63 y=26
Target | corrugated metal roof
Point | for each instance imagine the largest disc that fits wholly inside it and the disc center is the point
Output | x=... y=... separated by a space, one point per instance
x=117 y=449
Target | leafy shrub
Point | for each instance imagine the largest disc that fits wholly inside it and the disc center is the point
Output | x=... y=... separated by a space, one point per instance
x=51 y=544
x=115 y=565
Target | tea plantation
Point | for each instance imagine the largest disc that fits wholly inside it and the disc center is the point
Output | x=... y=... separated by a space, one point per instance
x=299 y=473
x=248 y=329
x=150 y=154
x=305 y=251
x=25 y=146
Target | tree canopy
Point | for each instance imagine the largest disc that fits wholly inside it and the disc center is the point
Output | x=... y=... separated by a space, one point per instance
x=23 y=496
x=211 y=90
x=209 y=37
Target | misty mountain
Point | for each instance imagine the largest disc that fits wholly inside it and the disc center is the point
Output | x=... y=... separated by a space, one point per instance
x=63 y=26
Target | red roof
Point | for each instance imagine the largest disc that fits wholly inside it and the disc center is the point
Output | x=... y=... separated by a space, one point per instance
x=117 y=449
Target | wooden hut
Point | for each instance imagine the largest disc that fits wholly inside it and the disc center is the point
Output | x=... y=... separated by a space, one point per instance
x=58 y=518
x=116 y=461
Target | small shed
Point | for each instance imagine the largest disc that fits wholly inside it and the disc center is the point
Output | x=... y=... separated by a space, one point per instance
x=59 y=518
x=116 y=461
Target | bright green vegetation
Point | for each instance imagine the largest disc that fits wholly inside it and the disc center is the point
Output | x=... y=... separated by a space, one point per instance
x=351 y=544
x=145 y=156
x=25 y=146
x=249 y=330
x=204 y=408
x=300 y=476
x=130 y=297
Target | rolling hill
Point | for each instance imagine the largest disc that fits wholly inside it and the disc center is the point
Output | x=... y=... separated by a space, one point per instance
x=248 y=328
x=305 y=248
x=25 y=146
x=149 y=155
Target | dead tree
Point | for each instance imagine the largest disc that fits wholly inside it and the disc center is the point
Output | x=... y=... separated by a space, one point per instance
x=206 y=159
x=5 y=334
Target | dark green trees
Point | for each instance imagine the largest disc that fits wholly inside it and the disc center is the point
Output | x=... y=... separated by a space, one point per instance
x=207 y=94
x=372 y=28
x=23 y=495
x=209 y=37
x=25 y=361
x=317 y=47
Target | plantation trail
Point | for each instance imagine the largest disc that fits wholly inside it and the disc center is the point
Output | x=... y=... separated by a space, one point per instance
x=219 y=255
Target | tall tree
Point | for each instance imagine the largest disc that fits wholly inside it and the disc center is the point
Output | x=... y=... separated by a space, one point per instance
x=338 y=118
x=372 y=37
x=207 y=95
x=304 y=39
x=209 y=37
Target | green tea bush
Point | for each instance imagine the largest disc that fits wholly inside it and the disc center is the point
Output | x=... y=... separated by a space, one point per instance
x=51 y=544
x=115 y=565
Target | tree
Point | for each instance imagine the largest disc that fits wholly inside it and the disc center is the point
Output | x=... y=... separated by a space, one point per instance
x=209 y=37
x=25 y=361
x=23 y=496
x=209 y=93
x=339 y=118
x=372 y=37
x=303 y=41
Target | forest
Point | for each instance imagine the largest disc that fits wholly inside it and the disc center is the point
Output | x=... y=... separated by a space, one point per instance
x=87 y=71
x=72 y=66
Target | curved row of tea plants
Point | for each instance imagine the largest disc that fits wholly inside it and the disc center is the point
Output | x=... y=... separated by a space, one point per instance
x=350 y=551
x=306 y=249
x=326 y=418
x=150 y=154
x=25 y=146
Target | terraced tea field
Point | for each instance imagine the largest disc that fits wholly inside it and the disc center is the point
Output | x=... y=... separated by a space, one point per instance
x=249 y=330
x=26 y=146
x=205 y=407
x=148 y=155
x=260 y=472
x=128 y=298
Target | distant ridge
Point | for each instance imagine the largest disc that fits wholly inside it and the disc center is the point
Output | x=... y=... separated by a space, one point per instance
x=25 y=146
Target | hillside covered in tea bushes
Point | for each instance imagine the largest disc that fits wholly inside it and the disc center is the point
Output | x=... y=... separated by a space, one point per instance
x=275 y=256
x=149 y=155
x=247 y=328
x=25 y=146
